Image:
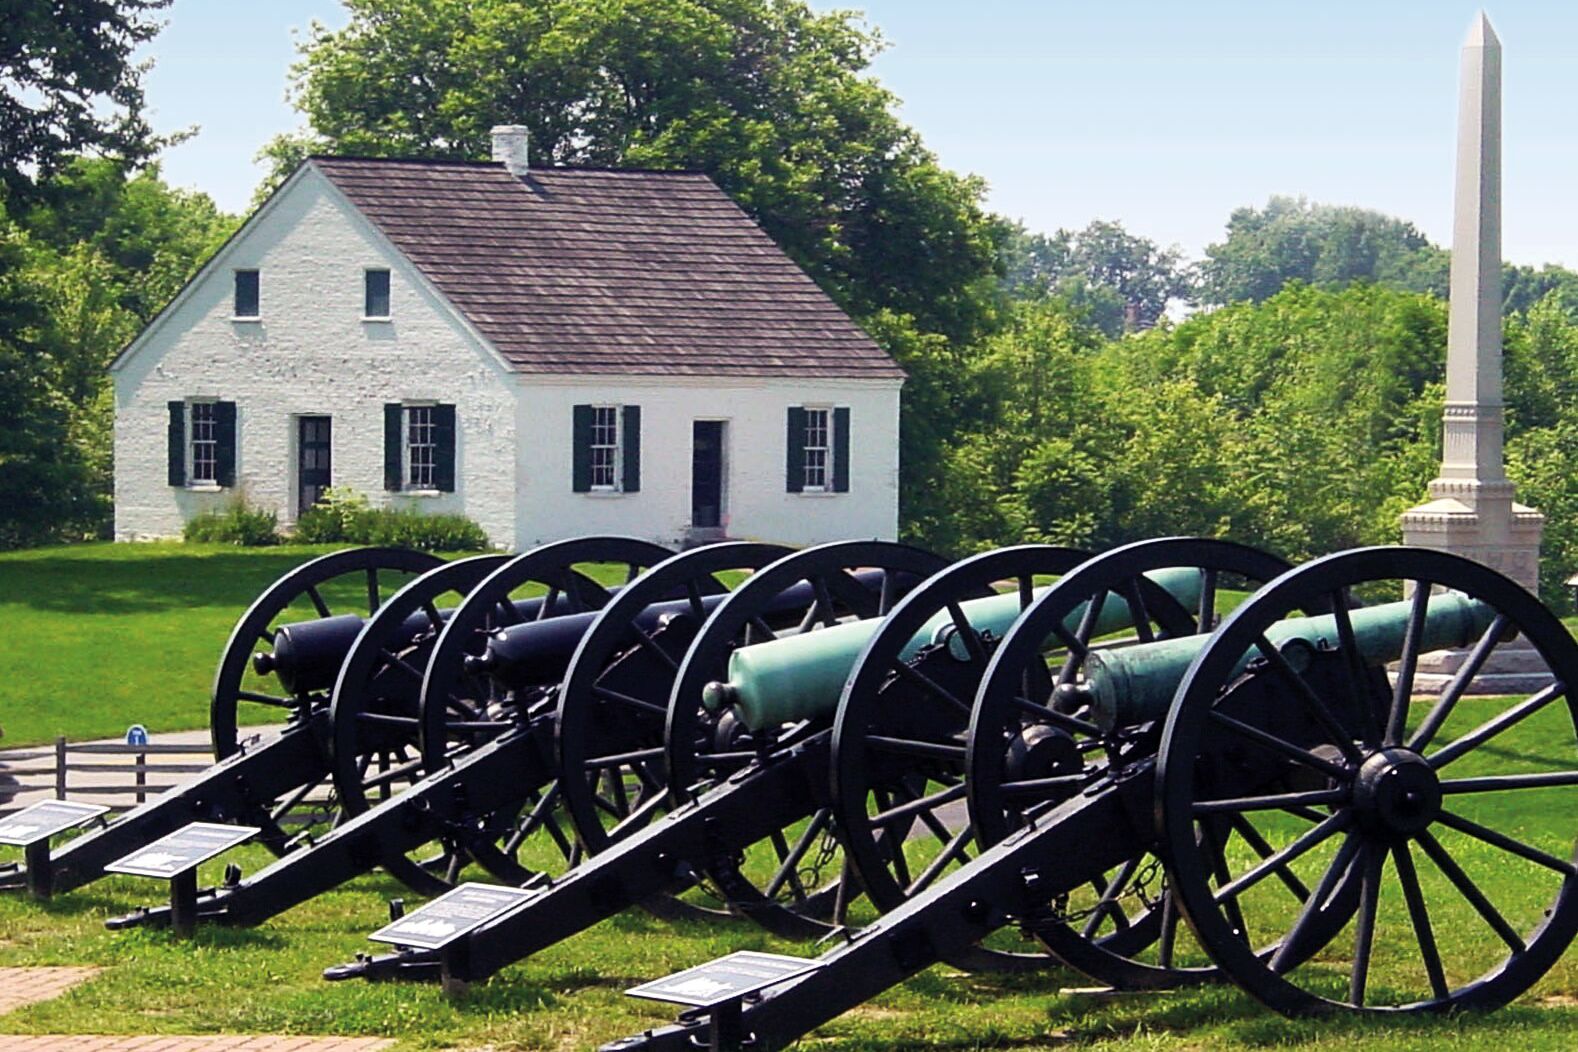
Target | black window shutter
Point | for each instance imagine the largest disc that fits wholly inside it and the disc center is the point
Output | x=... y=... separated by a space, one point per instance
x=581 y=451
x=841 y=449
x=394 y=417
x=794 y=461
x=630 y=481
x=444 y=454
x=177 y=439
x=225 y=443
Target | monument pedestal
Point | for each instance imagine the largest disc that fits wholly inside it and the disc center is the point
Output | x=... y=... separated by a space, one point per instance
x=1480 y=521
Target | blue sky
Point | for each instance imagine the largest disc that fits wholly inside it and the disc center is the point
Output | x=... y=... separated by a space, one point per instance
x=1162 y=115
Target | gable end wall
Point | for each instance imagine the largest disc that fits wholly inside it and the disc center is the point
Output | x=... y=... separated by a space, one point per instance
x=310 y=354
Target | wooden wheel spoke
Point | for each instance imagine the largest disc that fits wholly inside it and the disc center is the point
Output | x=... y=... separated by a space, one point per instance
x=281 y=810
x=1278 y=861
x=824 y=602
x=385 y=719
x=929 y=685
x=967 y=633
x=645 y=640
x=374 y=596
x=317 y=601
x=1205 y=614
x=1139 y=613
x=549 y=601
x=789 y=860
x=1271 y=801
x=434 y=618
x=1025 y=584
x=1060 y=784
x=1257 y=843
x=915 y=747
x=1470 y=891
x=1372 y=858
x=1458 y=685
x=1043 y=714
x=698 y=608
x=396 y=661
x=394 y=774
x=1109 y=897
x=1492 y=727
x=1282 y=746
x=1419 y=917
x=1289 y=952
x=1402 y=691
x=266 y=699
x=603 y=763
x=1168 y=940
x=607 y=694
x=1353 y=672
x=1508 y=844
x=914 y=807
x=1340 y=735
x=1503 y=782
x=953 y=849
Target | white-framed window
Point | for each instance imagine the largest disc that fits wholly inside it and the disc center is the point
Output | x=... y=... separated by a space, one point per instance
x=247 y=298
x=202 y=458
x=818 y=449
x=375 y=293
x=421 y=448
x=605 y=447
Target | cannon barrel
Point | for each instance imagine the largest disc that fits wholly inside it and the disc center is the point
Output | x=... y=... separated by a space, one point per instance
x=307 y=655
x=802 y=676
x=1134 y=685
x=544 y=647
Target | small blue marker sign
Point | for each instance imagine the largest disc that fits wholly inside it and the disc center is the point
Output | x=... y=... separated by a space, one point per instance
x=136 y=734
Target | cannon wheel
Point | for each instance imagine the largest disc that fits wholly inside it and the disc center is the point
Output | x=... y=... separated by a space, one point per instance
x=461 y=709
x=1029 y=749
x=375 y=703
x=898 y=739
x=302 y=594
x=703 y=748
x=1375 y=800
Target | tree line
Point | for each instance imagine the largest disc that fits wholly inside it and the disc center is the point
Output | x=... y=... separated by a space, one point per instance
x=1085 y=386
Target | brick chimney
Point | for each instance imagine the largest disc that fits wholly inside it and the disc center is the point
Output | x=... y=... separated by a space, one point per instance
x=509 y=147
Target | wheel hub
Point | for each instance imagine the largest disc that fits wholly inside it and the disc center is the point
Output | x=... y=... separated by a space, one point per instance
x=1397 y=792
x=1042 y=752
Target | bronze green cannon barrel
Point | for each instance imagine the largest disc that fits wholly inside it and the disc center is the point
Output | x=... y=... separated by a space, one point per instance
x=1136 y=684
x=785 y=680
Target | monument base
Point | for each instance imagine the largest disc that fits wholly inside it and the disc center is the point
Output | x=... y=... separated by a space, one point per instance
x=1515 y=667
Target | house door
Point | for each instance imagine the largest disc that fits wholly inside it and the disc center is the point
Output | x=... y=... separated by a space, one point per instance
x=312 y=460
x=706 y=474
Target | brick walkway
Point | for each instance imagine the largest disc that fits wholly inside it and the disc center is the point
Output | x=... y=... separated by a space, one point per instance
x=168 y=1043
x=23 y=986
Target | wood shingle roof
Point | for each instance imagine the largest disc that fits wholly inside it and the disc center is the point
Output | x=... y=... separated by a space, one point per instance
x=588 y=271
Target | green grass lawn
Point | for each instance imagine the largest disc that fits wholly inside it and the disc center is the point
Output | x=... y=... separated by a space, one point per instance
x=98 y=637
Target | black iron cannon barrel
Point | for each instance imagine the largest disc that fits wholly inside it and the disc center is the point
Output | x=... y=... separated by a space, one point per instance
x=539 y=648
x=306 y=655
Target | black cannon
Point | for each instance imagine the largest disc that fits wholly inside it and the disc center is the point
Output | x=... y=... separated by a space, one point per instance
x=1289 y=777
x=477 y=738
x=753 y=824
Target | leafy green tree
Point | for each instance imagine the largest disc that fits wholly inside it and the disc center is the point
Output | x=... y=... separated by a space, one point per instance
x=89 y=261
x=1120 y=282
x=68 y=83
x=1325 y=245
x=769 y=97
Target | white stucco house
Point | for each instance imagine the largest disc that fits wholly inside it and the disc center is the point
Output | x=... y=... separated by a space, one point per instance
x=549 y=351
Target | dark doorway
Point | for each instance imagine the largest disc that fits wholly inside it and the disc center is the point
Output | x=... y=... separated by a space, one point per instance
x=706 y=474
x=312 y=460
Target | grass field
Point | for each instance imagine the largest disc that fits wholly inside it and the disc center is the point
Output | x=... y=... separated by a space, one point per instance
x=99 y=637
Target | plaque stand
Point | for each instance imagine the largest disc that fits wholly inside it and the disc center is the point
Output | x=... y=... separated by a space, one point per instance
x=183 y=903
x=40 y=871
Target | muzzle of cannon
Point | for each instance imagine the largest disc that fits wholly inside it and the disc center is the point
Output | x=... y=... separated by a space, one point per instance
x=1298 y=774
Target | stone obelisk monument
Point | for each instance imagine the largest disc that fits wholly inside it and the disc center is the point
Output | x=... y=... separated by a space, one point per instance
x=1471 y=511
